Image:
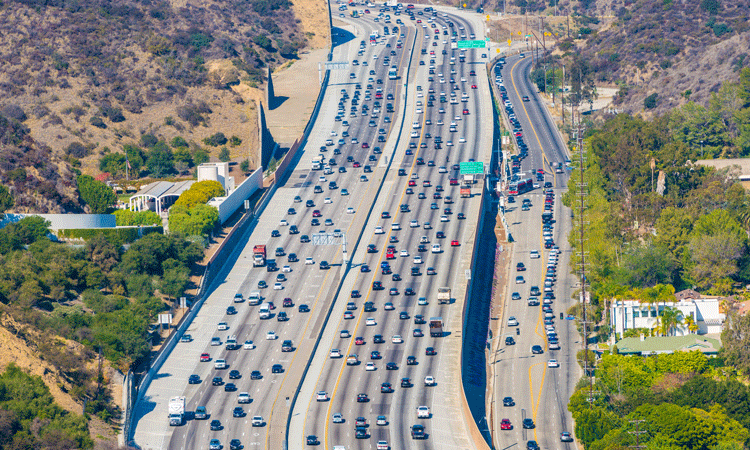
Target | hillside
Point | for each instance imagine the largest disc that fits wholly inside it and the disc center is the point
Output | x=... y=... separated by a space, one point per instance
x=83 y=79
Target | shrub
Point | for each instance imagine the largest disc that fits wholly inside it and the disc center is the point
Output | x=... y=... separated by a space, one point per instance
x=234 y=141
x=651 y=101
x=76 y=150
x=14 y=112
x=97 y=122
x=224 y=155
x=216 y=140
x=178 y=141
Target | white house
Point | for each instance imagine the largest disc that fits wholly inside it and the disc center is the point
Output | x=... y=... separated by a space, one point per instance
x=629 y=314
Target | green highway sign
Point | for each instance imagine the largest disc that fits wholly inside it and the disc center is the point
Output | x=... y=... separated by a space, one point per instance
x=472 y=168
x=471 y=44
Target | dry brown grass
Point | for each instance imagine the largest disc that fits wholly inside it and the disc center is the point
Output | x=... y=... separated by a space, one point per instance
x=313 y=17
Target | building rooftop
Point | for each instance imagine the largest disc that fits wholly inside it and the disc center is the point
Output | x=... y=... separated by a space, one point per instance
x=668 y=344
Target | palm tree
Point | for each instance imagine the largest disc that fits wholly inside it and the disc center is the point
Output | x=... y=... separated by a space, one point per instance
x=691 y=325
x=670 y=319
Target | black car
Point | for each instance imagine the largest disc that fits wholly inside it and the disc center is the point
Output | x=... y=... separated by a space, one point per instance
x=255 y=375
x=275 y=233
x=292 y=257
x=508 y=401
x=430 y=351
x=303 y=308
x=415 y=271
x=411 y=361
x=509 y=341
x=528 y=423
x=419 y=319
x=360 y=433
x=238 y=412
x=235 y=444
x=304 y=239
x=386 y=388
x=313 y=440
x=537 y=349
x=194 y=379
x=417 y=432
x=276 y=368
x=378 y=339
x=362 y=398
x=372 y=249
x=234 y=374
x=406 y=382
x=231 y=310
x=532 y=445
x=403 y=315
x=216 y=425
x=391 y=366
x=217 y=381
x=230 y=387
x=282 y=317
x=409 y=291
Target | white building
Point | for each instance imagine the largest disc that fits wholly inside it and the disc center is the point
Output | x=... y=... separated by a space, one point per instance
x=629 y=314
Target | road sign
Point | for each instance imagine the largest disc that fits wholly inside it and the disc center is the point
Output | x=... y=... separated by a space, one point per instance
x=471 y=44
x=472 y=168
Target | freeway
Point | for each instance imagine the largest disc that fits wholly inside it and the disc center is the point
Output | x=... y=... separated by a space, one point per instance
x=304 y=284
x=420 y=183
x=538 y=388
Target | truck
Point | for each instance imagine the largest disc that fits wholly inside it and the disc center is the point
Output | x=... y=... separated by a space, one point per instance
x=176 y=411
x=391 y=3
x=374 y=37
x=444 y=295
x=465 y=192
x=355 y=13
x=254 y=298
x=436 y=326
x=259 y=256
x=317 y=162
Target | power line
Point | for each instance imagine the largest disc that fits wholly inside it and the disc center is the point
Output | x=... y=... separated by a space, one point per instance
x=637 y=433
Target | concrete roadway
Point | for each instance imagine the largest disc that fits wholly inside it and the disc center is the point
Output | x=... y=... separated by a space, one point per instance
x=540 y=392
x=151 y=428
x=343 y=383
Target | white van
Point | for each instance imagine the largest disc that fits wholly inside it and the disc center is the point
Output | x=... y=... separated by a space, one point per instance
x=265 y=311
x=415 y=125
x=436 y=248
x=254 y=298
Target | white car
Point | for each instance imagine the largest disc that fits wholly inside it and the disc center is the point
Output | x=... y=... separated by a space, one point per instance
x=278 y=286
x=423 y=412
x=429 y=380
x=220 y=364
x=309 y=261
x=350 y=210
x=321 y=396
x=383 y=445
x=257 y=421
x=379 y=230
x=417 y=259
x=222 y=326
x=271 y=335
x=370 y=366
x=370 y=322
x=422 y=301
x=553 y=363
x=463 y=80
x=243 y=397
x=248 y=345
x=344 y=334
x=436 y=248
x=322 y=179
x=286 y=269
x=414 y=224
x=443 y=169
x=396 y=339
x=335 y=353
x=461 y=139
x=404 y=253
x=449 y=143
x=283 y=222
x=427 y=226
x=415 y=134
x=512 y=321
x=443 y=218
x=375 y=56
x=534 y=254
x=333 y=133
x=327 y=200
x=415 y=176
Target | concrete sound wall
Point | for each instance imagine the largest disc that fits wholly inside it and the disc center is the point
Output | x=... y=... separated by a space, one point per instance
x=264 y=138
x=243 y=192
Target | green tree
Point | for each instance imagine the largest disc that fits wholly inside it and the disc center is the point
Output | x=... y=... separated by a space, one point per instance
x=159 y=161
x=245 y=166
x=234 y=141
x=224 y=155
x=216 y=139
x=174 y=281
x=97 y=195
x=136 y=158
x=671 y=318
x=6 y=199
x=200 y=156
x=113 y=163
x=198 y=220
x=736 y=340
x=102 y=252
x=651 y=101
x=29 y=229
x=593 y=424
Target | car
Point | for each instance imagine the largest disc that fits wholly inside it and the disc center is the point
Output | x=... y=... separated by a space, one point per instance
x=520 y=279
x=537 y=349
x=234 y=374
x=381 y=420
x=528 y=423
x=417 y=432
x=512 y=321
x=565 y=436
x=362 y=398
x=216 y=425
x=391 y=366
x=532 y=445
x=194 y=379
x=411 y=360
x=277 y=368
x=221 y=326
x=205 y=357
x=508 y=401
x=553 y=363
x=312 y=440
x=520 y=267
x=370 y=321
x=430 y=381
x=370 y=366
x=187 y=337
x=382 y=445
x=505 y=424
x=321 y=396
x=417 y=333
x=214 y=444
x=397 y=339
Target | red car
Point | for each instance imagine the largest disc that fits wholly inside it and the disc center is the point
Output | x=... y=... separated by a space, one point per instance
x=506 y=425
x=466 y=112
x=473 y=86
x=412 y=183
x=355 y=164
x=365 y=145
x=316 y=213
x=367 y=11
x=455 y=243
x=205 y=357
x=359 y=340
x=454 y=182
x=287 y=303
x=390 y=255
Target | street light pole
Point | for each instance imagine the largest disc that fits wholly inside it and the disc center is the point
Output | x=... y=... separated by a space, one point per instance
x=701 y=149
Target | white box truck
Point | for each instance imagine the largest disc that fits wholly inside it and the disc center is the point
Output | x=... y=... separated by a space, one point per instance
x=176 y=411
x=444 y=295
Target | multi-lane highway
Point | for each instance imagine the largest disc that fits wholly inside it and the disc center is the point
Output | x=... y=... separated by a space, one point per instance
x=374 y=172
x=542 y=381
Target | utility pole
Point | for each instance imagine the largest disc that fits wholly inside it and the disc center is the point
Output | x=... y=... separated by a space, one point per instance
x=562 y=97
x=637 y=433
